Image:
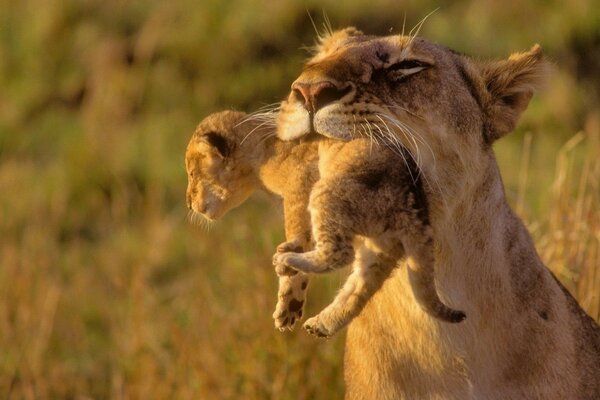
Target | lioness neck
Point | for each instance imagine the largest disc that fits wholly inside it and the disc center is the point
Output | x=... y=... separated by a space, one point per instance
x=486 y=265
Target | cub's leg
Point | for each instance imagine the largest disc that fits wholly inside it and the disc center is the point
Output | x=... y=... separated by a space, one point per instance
x=291 y=293
x=333 y=249
x=369 y=271
x=292 y=287
x=332 y=222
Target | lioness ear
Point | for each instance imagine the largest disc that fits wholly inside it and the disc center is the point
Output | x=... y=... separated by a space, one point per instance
x=219 y=143
x=511 y=84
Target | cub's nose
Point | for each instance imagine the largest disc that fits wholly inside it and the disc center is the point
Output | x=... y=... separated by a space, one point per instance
x=318 y=95
x=197 y=207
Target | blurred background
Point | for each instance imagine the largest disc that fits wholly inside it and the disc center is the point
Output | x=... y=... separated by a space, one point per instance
x=106 y=289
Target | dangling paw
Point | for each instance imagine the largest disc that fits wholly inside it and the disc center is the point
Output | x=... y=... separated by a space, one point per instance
x=284 y=248
x=290 y=303
x=286 y=262
x=316 y=327
x=292 y=246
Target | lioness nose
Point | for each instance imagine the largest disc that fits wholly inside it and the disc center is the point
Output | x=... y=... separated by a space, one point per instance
x=318 y=95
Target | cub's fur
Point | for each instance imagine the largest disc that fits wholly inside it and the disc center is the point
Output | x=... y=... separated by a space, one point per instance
x=525 y=336
x=230 y=156
x=363 y=192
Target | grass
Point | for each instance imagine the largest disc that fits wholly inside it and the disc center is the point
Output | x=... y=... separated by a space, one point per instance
x=106 y=290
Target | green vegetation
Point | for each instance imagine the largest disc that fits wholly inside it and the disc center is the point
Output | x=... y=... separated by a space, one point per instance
x=106 y=291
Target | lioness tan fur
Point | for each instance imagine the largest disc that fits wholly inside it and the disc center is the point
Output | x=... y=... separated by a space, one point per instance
x=525 y=336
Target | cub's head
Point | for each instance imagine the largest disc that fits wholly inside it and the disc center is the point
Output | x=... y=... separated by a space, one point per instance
x=408 y=91
x=219 y=162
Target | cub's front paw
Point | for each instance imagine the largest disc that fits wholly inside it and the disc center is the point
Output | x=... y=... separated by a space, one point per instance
x=280 y=264
x=281 y=268
x=316 y=327
x=290 y=303
x=293 y=246
x=284 y=262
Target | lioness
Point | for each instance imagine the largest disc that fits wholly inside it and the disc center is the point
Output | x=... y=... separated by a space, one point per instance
x=525 y=337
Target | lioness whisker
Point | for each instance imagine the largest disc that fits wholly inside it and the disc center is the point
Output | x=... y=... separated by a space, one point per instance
x=267 y=137
x=253 y=130
x=433 y=183
x=414 y=133
x=373 y=138
x=390 y=141
x=399 y=149
x=418 y=26
x=268 y=115
x=327 y=24
x=312 y=21
x=391 y=137
x=268 y=107
x=406 y=110
x=408 y=136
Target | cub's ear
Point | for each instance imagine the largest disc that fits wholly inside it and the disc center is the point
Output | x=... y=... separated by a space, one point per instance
x=510 y=84
x=219 y=143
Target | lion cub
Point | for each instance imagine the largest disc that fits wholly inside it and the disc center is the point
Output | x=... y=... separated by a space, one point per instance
x=364 y=199
x=230 y=156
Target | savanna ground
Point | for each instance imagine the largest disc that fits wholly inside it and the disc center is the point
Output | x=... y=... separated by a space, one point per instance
x=106 y=290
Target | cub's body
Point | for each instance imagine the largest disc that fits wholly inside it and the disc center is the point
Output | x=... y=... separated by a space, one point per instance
x=231 y=155
x=369 y=200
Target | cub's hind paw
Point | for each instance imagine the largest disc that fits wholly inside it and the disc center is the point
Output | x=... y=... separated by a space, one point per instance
x=315 y=327
x=290 y=303
x=287 y=313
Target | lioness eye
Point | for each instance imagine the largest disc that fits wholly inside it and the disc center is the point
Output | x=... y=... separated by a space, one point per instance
x=408 y=66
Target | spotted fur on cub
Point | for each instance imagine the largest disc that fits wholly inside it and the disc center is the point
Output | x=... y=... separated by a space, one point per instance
x=369 y=209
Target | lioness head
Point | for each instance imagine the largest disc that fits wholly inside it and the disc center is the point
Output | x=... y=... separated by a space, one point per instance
x=408 y=91
x=220 y=174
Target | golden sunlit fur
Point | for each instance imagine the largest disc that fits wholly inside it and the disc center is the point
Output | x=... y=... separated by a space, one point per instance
x=366 y=203
x=525 y=336
x=232 y=154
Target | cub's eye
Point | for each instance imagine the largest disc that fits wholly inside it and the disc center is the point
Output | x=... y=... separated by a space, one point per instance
x=407 y=67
